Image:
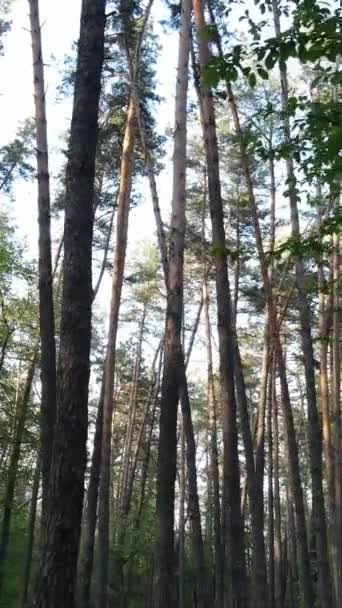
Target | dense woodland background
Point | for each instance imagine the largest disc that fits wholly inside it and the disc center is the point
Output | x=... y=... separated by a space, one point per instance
x=170 y=419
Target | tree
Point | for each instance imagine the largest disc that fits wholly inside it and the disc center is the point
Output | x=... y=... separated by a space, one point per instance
x=47 y=320
x=172 y=381
x=66 y=486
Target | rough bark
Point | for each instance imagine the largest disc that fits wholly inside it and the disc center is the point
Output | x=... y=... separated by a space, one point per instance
x=66 y=484
x=234 y=533
x=46 y=305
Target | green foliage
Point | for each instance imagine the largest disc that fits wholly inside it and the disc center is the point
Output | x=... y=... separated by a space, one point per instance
x=314 y=246
x=5 y=23
x=13 y=572
x=16 y=158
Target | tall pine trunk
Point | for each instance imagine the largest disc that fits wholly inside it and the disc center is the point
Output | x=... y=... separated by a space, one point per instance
x=233 y=526
x=314 y=431
x=336 y=393
x=214 y=469
x=306 y=580
x=66 y=484
x=109 y=370
x=85 y=569
x=173 y=355
x=46 y=306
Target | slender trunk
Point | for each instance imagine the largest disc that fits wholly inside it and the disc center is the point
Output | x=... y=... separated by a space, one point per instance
x=5 y=345
x=194 y=508
x=147 y=458
x=181 y=533
x=85 y=569
x=193 y=333
x=234 y=532
x=66 y=484
x=336 y=393
x=254 y=487
x=154 y=385
x=108 y=402
x=87 y=555
x=152 y=400
x=106 y=251
x=324 y=316
x=12 y=472
x=271 y=573
x=46 y=305
x=125 y=493
x=173 y=357
x=237 y=271
x=260 y=435
x=219 y=566
x=30 y=534
x=292 y=550
x=314 y=431
x=286 y=402
x=278 y=553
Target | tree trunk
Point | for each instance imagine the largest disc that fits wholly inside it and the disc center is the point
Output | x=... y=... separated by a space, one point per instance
x=66 y=484
x=234 y=532
x=314 y=430
x=181 y=525
x=87 y=554
x=46 y=305
x=108 y=402
x=336 y=391
x=173 y=357
x=286 y=402
x=194 y=508
x=278 y=553
x=271 y=574
x=127 y=469
x=219 y=566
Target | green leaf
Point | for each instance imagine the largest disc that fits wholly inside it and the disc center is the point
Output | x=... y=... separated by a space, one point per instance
x=263 y=73
x=252 y=80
